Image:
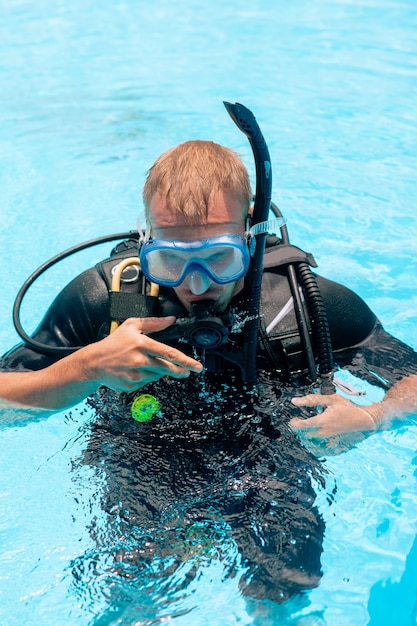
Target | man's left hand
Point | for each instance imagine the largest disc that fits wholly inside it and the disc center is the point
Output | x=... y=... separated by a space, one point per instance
x=338 y=417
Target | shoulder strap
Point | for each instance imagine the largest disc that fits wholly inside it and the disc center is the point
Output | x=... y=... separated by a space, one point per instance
x=131 y=300
x=124 y=305
x=283 y=254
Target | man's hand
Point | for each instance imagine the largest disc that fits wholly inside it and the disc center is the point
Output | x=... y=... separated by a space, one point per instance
x=127 y=359
x=343 y=423
x=339 y=416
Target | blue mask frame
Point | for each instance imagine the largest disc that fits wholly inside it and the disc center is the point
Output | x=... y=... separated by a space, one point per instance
x=224 y=259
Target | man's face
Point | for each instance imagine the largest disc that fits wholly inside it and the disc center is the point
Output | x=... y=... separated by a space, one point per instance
x=225 y=217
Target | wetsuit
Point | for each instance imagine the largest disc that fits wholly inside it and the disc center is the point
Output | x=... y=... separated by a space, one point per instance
x=217 y=473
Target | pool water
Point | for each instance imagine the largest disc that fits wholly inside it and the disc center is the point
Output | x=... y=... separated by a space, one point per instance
x=91 y=93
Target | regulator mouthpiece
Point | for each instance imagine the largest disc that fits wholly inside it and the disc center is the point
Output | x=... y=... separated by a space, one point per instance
x=204 y=329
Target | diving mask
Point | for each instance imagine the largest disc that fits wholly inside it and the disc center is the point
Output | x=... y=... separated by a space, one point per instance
x=224 y=259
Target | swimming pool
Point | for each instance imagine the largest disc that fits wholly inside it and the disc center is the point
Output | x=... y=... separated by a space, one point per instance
x=91 y=94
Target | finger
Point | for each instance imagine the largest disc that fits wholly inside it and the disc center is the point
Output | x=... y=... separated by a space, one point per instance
x=149 y=373
x=152 y=374
x=157 y=349
x=312 y=430
x=311 y=423
x=165 y=367
x=161 y=361
x=151 y=324
x=133 y=383
x=315 y=399
x=171 y=357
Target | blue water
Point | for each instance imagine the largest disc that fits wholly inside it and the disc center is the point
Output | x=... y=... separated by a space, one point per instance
x=91 y=93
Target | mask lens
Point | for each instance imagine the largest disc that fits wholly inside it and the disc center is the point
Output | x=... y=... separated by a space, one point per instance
x=224 y=263
x=224 y=259
x=163 y=266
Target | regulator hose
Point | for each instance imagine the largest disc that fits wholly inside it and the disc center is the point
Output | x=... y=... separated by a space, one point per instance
x=36 y=345
x=301 y=274
x=320 y=325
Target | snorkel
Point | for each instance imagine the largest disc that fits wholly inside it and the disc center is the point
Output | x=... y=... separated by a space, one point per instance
x=299 y=274
x=246 y=122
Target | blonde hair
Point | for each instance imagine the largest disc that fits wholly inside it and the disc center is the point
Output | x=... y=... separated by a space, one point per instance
x=189 y=175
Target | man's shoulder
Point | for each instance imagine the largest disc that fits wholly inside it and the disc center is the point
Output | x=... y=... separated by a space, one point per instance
x=350 y=319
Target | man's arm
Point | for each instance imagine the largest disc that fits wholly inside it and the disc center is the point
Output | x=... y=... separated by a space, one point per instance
x=366 y=350
x=126 y=360
x=343 y=416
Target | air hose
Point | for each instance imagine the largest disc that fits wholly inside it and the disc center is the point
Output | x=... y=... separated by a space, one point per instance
x=37 y=345
x=320 y=326
x=301 y=274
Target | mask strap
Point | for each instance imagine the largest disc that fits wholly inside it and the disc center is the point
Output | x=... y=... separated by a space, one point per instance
x=269 y=226
x=144 y=234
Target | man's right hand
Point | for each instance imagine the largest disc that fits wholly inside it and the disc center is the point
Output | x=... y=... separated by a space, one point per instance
x=128 y=359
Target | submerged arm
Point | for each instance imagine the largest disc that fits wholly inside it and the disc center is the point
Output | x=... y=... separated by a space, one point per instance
x=379 y=357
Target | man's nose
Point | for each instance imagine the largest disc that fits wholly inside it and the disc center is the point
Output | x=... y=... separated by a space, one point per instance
x=198 y=282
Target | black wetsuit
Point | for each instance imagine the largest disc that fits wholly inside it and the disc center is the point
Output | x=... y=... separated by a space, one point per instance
x=218 y=466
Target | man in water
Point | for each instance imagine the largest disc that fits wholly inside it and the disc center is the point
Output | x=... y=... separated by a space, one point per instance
x=231 y=464
x=194 y=192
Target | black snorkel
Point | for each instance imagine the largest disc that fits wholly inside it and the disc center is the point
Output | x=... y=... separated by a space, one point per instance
x=298 y=274
x=246 y=122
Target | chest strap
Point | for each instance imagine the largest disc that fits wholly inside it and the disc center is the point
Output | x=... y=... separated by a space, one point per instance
x=124 y=305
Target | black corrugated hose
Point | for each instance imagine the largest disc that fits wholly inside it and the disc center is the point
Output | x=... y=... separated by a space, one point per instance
x=301 y=273
x=319 y=324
